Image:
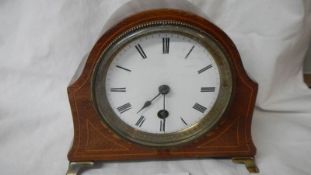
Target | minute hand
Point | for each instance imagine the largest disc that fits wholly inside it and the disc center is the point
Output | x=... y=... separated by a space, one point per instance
x=149 y=102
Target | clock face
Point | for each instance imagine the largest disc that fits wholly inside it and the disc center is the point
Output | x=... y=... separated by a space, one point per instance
x=162 y=85
x=162 y=61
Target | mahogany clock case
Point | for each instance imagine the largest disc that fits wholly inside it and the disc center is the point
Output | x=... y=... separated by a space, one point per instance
x=95 y=141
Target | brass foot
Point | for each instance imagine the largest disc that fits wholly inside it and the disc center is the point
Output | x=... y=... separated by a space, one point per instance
x=75 y=167
x=249 y=162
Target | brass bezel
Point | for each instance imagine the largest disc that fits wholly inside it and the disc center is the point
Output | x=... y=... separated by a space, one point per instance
x=170 y=139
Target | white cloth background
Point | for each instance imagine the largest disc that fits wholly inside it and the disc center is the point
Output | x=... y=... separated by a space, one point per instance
x=42 y=43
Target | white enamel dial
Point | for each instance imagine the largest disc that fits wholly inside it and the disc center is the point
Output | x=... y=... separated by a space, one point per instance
x=166 y=60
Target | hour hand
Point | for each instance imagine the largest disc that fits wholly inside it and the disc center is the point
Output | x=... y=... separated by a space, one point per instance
x=163 y=89
x=147 y=103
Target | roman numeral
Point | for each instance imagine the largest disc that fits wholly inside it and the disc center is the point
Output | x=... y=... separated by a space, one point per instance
x=118 y=89
x=189 y=51
x=183 y=121
x=124 y=108
x=140 y=121
x=140 y=51
x=166 y=45
x=162 y=125
x=205 y=68
x=207 y=89
x=120 y=67
x=199 y=107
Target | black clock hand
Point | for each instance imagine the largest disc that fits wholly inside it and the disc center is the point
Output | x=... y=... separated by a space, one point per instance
x=163 y=114
x=149 y=102
x=163 y=101
x=163 y=89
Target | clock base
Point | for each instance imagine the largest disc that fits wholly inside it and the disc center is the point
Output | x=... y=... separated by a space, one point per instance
x=75 y=167
x=249 y=162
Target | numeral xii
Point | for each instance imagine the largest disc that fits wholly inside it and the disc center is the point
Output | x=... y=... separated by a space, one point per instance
x=166 y=45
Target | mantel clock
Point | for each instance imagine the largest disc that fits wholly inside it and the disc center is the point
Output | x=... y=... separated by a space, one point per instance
x=162 y=84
